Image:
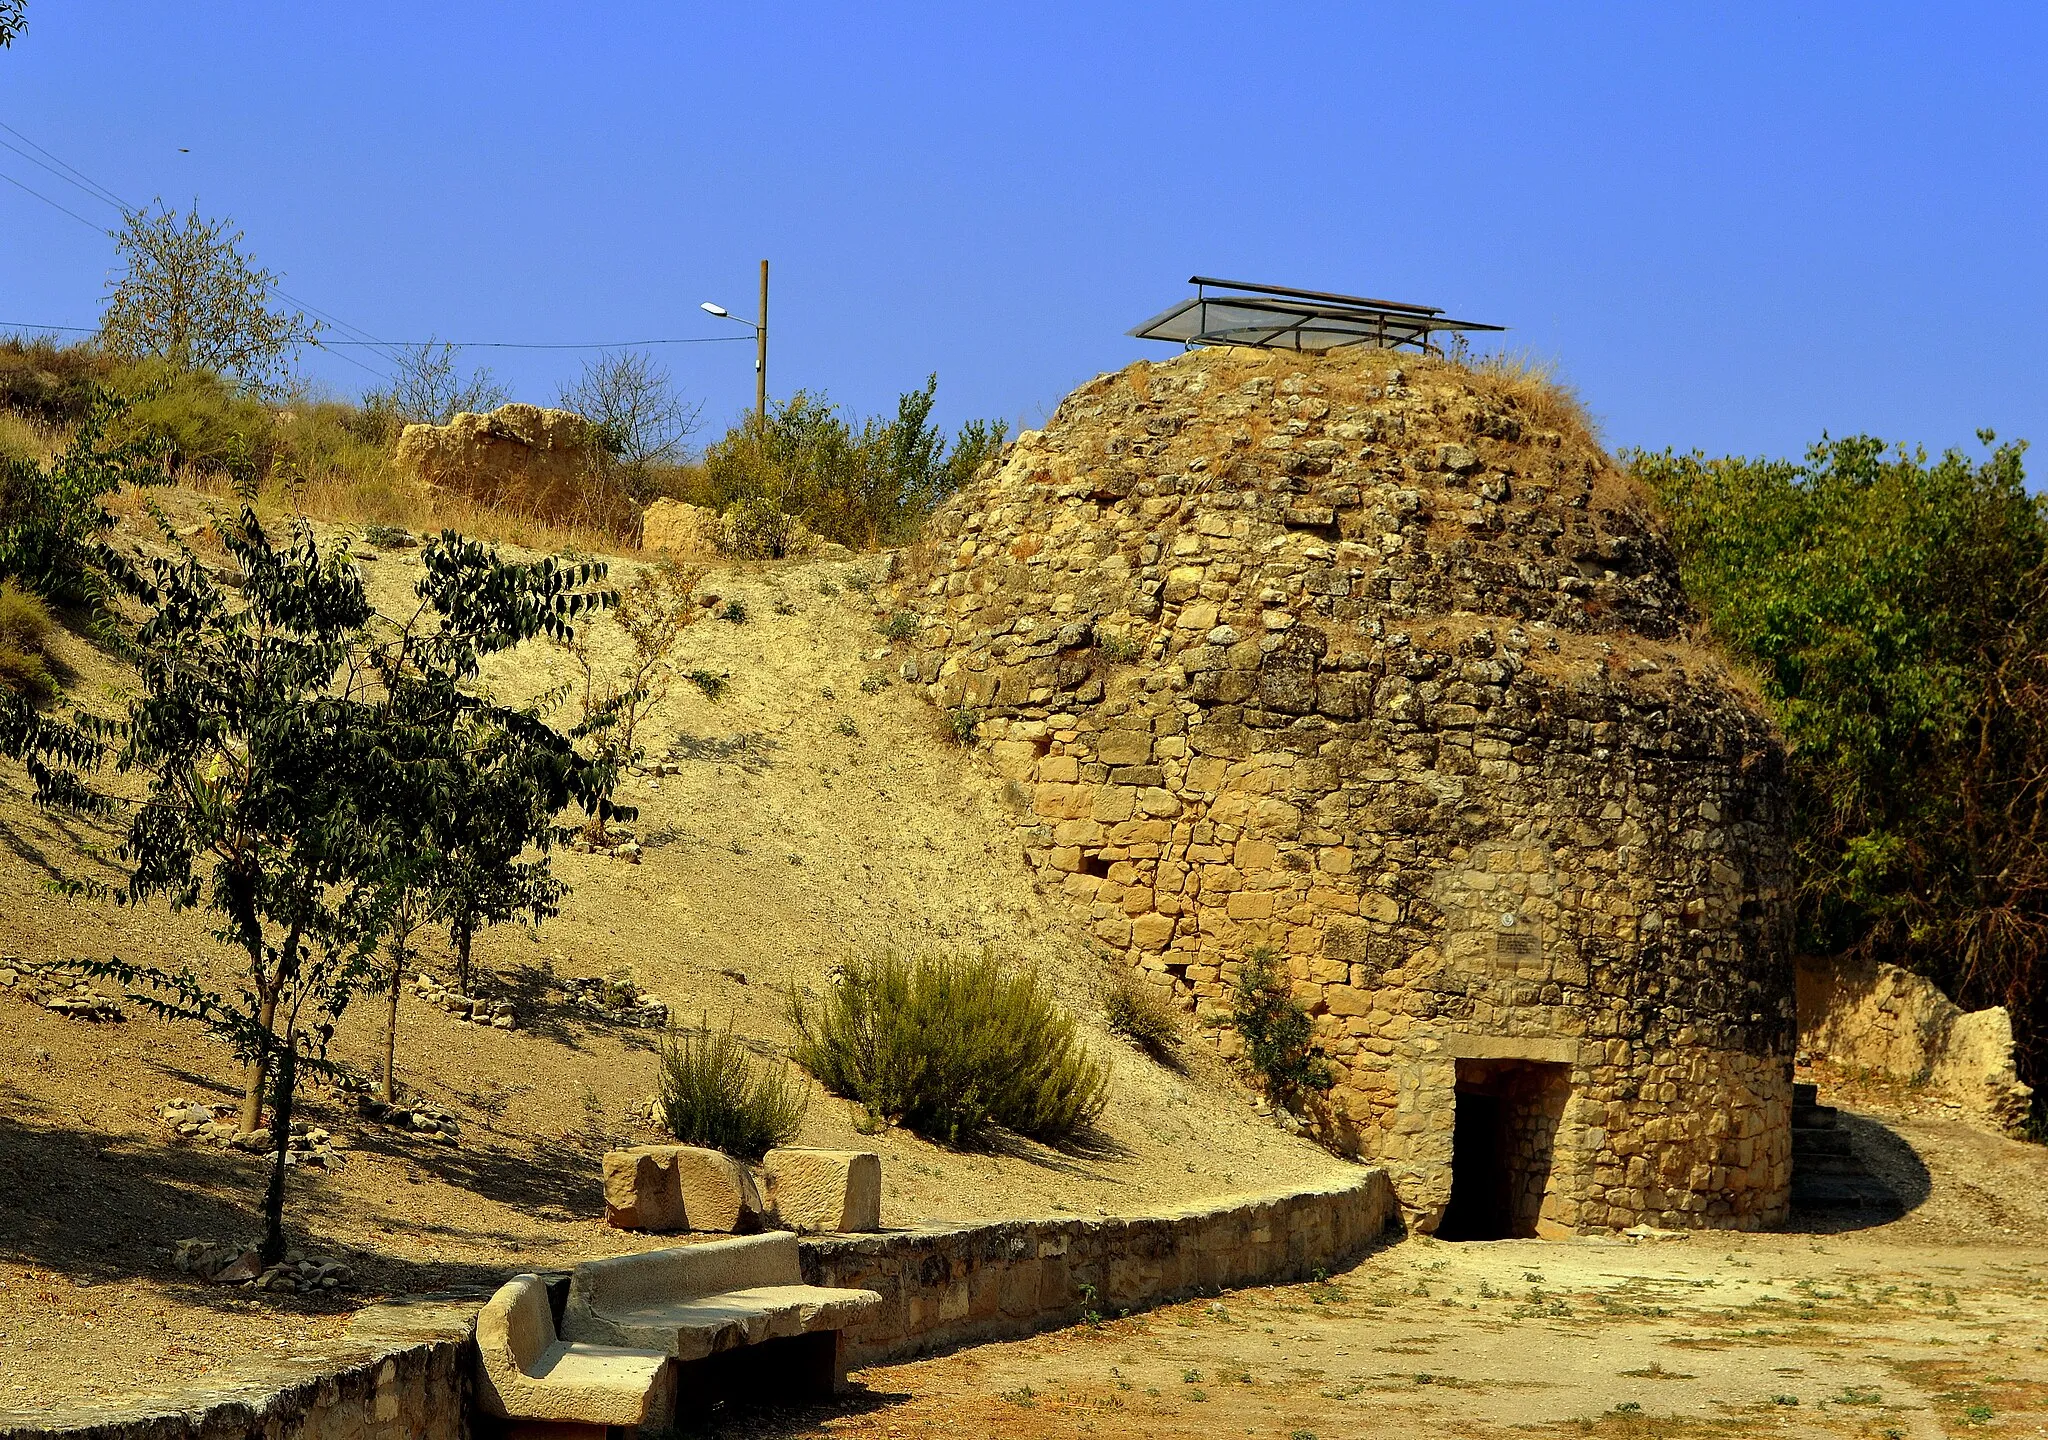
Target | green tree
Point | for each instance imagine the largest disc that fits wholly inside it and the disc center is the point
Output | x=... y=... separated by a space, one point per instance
x=296 y=756
x=487 y=780
x=1894 y=610
x=13 y=20
x=192 y=297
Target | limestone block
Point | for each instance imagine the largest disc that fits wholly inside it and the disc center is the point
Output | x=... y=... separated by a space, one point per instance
x=640 y=1190
x=810 y=1190
x=679 y=1187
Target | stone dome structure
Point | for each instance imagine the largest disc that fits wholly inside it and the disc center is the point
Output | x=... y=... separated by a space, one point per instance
x=1379 y=663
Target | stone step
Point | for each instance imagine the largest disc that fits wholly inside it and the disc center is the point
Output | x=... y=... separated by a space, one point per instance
x=1821 y=1142
x=1826 y=1165
x=1805 y=1094
x=1815 y=1117
x=1862 y=1194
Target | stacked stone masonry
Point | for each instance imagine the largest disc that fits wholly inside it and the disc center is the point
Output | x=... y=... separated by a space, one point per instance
x=1381 y=663
x=944 y=1285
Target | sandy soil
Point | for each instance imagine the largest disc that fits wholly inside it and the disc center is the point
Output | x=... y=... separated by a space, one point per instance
x=820 y=812
x=1934 y=1325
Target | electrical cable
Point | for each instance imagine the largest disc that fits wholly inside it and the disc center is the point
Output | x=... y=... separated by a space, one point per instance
x=55 y=206
x=100 y=190
x=388 y=349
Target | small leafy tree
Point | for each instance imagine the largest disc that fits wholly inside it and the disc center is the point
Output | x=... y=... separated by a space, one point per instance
x=296 y=756
x=193 y=297
x=654 y=611
x=1279 y=1040
x=486 y=780
x=13 y=20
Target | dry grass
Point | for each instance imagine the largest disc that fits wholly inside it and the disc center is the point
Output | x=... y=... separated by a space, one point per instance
x=24 y=439
x=343 y=497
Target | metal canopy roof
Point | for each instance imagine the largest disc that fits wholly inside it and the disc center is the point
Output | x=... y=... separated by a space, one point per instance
x=1275 y=317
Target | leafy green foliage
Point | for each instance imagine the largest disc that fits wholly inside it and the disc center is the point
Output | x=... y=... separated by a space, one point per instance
x=953 y=1047
x=1278 y=1038
x=862 y=485
x=714 y=1093
x=313 y=770
x=1894 y=610
x=53 y=514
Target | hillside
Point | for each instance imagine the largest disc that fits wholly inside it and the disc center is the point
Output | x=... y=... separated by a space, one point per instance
x=810 y=813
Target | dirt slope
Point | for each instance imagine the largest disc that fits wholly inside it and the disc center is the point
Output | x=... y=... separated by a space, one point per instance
x=817 y=812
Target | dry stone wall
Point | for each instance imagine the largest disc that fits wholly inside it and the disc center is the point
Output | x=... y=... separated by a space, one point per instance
x=1382 y=664
x=945 y=1285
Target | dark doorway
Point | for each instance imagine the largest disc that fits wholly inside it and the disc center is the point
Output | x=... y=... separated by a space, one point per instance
x=1507 y=1117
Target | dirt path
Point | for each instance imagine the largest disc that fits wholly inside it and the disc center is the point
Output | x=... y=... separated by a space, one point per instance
x=1775 y=1335
x=1933 y=1325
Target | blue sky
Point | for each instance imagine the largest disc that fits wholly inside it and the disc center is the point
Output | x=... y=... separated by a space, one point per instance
x=1731 y=227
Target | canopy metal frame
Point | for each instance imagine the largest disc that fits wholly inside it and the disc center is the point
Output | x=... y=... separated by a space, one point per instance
x=1279 y=317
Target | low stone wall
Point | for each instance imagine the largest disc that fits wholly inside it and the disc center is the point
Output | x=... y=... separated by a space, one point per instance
x=404 y=1371
x=404 y=1376
x=944 y=1285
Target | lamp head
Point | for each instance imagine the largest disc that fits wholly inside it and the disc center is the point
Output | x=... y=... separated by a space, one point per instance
x=719 y=310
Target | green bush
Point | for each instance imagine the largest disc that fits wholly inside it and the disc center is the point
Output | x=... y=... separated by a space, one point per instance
x=1278 y=1039
x=53 y=514
x=1139 y=1013
x=963 y=723
x=715 y=1094
x=953 y=1047
x=756 y=528
x=50 y=383
x=901 y=625
x=1892 y=607
x=197 y=421
x=25 y=626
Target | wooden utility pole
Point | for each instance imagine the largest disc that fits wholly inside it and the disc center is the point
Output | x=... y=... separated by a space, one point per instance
x=761 y=353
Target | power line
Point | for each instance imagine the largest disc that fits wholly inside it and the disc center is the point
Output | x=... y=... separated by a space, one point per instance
x=52 y=169
x=88 y=182
x=387 y=349
x=55 y=206
x=547 y=344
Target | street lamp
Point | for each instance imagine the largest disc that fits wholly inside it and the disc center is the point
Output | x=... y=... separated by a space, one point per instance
x=760 y=329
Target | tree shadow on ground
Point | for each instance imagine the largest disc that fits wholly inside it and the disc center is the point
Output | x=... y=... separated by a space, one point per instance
x=100 y=1209
x=543 y=1011
x=1898 y=1181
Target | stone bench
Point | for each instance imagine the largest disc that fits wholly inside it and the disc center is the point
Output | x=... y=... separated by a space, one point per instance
x=546 y=1386
x=696 y=1302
